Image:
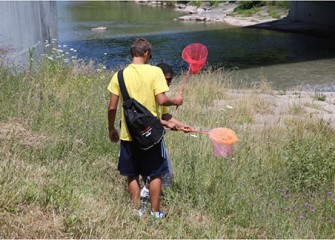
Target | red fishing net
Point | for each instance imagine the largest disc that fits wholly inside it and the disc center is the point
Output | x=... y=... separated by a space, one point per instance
x=195 y=55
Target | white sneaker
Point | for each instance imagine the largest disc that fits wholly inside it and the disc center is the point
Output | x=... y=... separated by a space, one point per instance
x=140 y=212
x=157 y=215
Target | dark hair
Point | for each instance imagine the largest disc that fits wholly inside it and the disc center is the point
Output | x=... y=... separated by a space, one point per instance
x=139 y=47
x=166 y=68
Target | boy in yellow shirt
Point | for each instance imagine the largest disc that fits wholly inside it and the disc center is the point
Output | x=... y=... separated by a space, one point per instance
x=146 y=84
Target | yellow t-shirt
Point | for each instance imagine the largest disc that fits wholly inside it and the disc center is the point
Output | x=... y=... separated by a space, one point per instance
x=143 y=83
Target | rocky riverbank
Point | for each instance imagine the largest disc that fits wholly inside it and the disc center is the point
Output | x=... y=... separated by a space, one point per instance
x=224 y=13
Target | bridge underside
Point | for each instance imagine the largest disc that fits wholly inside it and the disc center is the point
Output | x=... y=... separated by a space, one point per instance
x=313 y=12
x=311 y=18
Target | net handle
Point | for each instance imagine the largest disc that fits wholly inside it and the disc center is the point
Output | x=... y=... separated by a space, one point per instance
x=201 y=131
x=195 y=131
x=186 y=78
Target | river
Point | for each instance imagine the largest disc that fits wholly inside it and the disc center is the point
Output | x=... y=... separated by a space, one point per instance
x=286 y=60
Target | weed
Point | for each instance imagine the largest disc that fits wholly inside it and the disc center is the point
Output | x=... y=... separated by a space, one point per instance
x=319 y=96
x=58 y=165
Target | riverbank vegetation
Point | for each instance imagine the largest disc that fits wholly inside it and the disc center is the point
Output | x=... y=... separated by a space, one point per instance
x=274 y=9
x=58 y=170
x=242 y=7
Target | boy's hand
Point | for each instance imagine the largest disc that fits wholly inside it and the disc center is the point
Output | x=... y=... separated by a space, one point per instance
x=114 y=135
x=186 y=128
x=172 y=126
x=178 y=100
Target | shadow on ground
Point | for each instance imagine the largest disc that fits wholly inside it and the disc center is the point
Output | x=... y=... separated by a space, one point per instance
x=288 y=25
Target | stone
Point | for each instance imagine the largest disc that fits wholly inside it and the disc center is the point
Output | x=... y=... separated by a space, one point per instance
x=205 y=5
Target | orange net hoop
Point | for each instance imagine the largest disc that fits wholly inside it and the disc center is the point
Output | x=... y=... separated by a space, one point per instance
x=223 y=136
x=223 y=140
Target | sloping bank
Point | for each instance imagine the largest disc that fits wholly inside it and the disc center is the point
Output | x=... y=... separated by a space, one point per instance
x=222 y=12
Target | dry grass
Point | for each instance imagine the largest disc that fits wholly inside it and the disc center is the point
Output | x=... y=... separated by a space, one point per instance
x=30 y=222
x=20 y=131
x=59 y=178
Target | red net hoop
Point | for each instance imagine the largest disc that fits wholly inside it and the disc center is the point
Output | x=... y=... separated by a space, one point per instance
x=195 y=55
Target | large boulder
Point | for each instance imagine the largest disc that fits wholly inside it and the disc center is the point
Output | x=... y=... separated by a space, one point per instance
x=190 y=9
x=196 y=18
x=205 y=5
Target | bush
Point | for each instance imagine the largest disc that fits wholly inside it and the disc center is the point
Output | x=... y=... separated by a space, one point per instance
x=246 y=5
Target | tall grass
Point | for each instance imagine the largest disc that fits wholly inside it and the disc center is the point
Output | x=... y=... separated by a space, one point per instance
x=59 y=178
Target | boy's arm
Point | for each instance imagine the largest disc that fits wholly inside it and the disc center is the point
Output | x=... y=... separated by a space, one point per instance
x=169 y=125
x=164 y=100
x=178 y=125
x=112 y=108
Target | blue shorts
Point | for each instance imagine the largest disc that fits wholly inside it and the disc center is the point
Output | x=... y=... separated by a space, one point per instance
x=134 y=161
x=167 y=178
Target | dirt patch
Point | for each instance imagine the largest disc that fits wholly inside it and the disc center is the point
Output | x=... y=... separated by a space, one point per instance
x=286 y=105
x=31 y=222
x=19 y=130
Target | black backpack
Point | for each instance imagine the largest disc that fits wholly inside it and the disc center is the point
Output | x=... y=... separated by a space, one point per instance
x=145 y=129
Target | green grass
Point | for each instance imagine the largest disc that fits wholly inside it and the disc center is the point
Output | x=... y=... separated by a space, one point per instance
x=59 y=178
x=275 y=9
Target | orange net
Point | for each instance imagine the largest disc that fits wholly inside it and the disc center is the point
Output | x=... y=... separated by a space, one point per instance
x=223 y=136
x=223 y=140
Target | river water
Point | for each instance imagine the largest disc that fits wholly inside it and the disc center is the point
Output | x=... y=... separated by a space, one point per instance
x=286 y=60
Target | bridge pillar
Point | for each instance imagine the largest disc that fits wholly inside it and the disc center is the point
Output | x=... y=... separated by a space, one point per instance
x=313 y=12
x=25 y=25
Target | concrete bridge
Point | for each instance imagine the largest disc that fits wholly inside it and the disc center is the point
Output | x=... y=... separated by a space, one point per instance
x=313 y=12
x=26 y=25
x=306 y=17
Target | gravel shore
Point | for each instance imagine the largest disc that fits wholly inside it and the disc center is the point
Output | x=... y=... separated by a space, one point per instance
x=224 y=13
x=320 y=105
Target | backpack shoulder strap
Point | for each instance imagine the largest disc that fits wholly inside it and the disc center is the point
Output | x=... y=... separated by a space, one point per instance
x=123 y=88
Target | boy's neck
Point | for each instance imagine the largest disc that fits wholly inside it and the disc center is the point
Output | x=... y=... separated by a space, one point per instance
x=139 y=60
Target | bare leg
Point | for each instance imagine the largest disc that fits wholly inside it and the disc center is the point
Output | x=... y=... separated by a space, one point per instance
x=134 y=190
x=155 y=188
